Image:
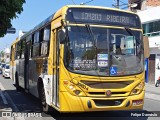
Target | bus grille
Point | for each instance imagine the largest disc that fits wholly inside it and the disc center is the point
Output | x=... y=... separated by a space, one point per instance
x=107 y=85
x=108 y=102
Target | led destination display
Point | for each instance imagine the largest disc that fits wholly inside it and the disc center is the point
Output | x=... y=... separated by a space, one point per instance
x=107 y=17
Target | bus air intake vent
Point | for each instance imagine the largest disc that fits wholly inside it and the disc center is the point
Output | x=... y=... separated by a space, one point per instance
x=107 y=85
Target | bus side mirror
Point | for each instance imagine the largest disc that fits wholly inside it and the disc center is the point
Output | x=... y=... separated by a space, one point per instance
x=146 y=46
x=62 y=35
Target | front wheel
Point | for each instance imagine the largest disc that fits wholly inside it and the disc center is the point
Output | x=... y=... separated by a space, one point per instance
x=157 y=84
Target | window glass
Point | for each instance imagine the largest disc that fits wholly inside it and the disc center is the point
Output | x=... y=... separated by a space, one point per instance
x=46 y=34
x=35 y=46
x=100 y=51
x=22 y=49
x=44 y=48
x=36 y=37
x=41 y=34
x=152 y=28
x=144 y=29
x=35 y=51
x=29 y=38
x=11 y=53
x=40 y=44
x=18 y=48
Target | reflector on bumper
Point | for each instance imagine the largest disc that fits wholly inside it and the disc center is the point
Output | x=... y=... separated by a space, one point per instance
x=137 y=102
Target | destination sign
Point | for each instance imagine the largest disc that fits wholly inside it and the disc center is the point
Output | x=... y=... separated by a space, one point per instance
x=99 y=16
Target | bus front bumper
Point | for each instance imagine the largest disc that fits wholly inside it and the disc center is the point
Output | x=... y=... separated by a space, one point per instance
x=70 y=103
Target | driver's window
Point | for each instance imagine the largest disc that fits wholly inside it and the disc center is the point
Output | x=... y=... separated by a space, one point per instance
x=102 y=43
x=122 y=44
x=117 y=44
x=129 y=45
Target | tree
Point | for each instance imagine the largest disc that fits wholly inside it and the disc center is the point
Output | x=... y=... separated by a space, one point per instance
x=1 y=56
x=9 y=10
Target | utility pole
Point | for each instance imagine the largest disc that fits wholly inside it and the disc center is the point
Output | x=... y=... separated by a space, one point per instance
x=118 y=4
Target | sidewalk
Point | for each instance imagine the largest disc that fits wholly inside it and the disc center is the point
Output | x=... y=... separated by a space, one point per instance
x=150 y=88
x=152 y=92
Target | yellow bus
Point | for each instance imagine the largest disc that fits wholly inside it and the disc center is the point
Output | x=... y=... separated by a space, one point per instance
x=84 y=58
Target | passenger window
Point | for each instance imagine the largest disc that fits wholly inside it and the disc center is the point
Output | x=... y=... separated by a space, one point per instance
x=35 y=51
x=35 y=46
x=45 y=41
x=46 y=35
x=36 y=37
x=22 y=48
x=44 y=48
x=18 y=48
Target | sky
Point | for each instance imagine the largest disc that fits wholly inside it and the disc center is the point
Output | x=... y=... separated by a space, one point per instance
x=35 y=11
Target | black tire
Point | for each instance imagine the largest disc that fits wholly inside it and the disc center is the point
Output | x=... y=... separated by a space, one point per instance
x=17 y=82
x=157 y=84
x=44 y=106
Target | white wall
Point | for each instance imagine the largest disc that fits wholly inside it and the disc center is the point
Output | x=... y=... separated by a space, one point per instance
x=150 y=14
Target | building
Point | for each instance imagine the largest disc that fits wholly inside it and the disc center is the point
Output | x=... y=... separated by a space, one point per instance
x=153 y=3
x=150 y=19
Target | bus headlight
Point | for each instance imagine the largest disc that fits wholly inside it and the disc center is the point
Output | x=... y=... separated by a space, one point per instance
x=138 y=89
x=73 y=89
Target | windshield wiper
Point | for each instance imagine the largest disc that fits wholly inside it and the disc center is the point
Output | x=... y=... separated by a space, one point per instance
x=130 y=32
x=91 y=34
x=93 y=39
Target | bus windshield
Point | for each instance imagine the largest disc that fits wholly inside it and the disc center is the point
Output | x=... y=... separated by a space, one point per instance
x=104 y=51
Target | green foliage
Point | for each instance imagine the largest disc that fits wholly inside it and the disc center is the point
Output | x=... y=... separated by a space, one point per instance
x=2 y=53
x=9 y=10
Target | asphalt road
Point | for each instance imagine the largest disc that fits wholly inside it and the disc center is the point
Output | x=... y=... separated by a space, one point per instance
x=21 y=102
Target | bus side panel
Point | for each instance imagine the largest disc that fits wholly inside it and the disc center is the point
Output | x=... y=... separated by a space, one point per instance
x=33 y=77
x=17 y=67
x=21 y=73
x=12 y=72
x=48 y=82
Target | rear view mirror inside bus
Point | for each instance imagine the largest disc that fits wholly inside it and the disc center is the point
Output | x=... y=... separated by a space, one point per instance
x=62 y=35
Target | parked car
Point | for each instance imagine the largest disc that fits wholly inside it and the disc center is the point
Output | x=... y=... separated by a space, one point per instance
x=6 y=71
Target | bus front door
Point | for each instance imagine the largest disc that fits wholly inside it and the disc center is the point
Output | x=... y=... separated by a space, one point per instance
x=55 y=69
